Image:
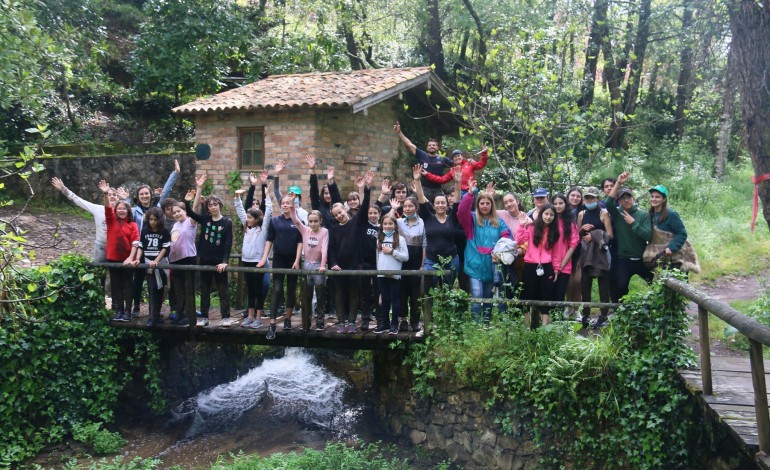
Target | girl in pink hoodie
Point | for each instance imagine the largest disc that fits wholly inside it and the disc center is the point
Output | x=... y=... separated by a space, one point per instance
x=542 y=237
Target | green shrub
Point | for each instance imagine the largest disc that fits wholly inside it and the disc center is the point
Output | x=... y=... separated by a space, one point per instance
x=100 y=440
x=61 y=364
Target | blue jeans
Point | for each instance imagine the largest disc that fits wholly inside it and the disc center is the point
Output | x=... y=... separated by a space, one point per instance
x=450 y=272
x=480 y=289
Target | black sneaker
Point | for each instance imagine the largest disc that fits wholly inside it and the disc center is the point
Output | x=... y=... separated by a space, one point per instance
x=118 y=316
x=135 y=312
x=601 y=322
x=416 y=326
x=151 y=323
x=364 y=326
x=125 y=317
x=181 y=320
x=403 y=326
x=393 y=330
x=379 y=329
x=319 y=325
x=287 y=324
x=270 y=332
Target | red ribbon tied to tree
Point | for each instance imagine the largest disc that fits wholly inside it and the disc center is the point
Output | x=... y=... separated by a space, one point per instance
x=755 y=204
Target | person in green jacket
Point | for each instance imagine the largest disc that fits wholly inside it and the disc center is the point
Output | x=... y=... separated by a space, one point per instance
x=666 y=219
x=633 y=232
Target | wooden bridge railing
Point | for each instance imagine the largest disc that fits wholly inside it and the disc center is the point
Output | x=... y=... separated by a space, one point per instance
x=758 y=335
x=305 y=294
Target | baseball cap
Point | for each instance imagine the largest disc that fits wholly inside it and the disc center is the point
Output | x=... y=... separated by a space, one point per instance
x=457 y=152
x=540 y=192
x=592 y=191
x=661 y=189
x=624 y=191
x=296 y=190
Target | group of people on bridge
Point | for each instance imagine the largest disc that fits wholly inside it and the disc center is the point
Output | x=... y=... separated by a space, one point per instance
x=551 y=252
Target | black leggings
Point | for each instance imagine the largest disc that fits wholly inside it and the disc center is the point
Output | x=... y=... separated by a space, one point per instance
x=121 y=286
x=255 y=293
x=155 y=290
x=221 y=279
x=537 y=287
x=184 y=283
x=410 y=286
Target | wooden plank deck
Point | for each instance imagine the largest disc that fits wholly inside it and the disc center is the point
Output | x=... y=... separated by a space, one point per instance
x=296 y=337
x=733 y=400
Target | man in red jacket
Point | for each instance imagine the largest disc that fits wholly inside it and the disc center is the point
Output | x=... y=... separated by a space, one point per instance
x=468 y=167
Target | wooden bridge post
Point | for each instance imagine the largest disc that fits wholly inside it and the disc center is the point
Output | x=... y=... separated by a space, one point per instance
x=427 y=303
x=705 y=351
x=306 y=295
x=760 y=395
x=189 y=301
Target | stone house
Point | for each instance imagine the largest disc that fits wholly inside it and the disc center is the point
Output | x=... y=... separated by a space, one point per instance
x=344 y=118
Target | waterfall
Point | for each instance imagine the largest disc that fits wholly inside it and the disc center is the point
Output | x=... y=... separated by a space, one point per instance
x=291 y=387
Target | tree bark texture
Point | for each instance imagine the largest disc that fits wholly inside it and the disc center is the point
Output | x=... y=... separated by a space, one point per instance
x=684 y=84
x=725 y=119
x=618 y=127
x=599 y=33
x=433 y=43
x=750 y=26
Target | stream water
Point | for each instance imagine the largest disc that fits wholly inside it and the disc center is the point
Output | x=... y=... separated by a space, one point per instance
x=284 y=404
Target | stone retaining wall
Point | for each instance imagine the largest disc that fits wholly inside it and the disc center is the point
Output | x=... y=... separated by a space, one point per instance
x=454 y=420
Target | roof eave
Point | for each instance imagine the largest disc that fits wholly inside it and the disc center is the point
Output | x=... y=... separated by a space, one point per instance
x=431 y=79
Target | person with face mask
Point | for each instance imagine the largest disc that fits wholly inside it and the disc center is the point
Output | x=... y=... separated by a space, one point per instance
x=633 y=233
x=595 y=233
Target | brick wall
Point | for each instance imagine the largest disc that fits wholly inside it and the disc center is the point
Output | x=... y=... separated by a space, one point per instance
x=352 y=143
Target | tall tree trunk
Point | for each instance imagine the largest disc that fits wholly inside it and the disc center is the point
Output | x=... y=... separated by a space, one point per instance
x=434 y=44
x=750 y=26
x=725 y=119
x=599 y=33
x=684 y=84
x=352 y=47
x=480 y=30
x=618 y=127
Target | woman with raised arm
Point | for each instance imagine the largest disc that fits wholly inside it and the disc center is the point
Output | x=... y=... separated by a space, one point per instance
x=255 y=226
x=345 y=240
x=183 y=252
x=315 y=246
x=483 y=228
x=96 y=210
x=284 y=239
x=328 y=195
x=440 y=230
x=511 y=273
x=214 y=245
x=122 y=245
x=294 y=191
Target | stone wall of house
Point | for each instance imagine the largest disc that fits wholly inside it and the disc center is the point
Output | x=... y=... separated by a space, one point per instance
x=454 y=420
x=352 y=143
x=82 y=174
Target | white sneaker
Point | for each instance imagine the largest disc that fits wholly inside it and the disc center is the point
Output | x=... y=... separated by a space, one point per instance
x=202 y=321
x=226 y=322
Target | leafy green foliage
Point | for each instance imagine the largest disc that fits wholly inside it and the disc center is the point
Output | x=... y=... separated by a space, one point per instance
x=610 y=402
x=100 y=440
x=61 y=364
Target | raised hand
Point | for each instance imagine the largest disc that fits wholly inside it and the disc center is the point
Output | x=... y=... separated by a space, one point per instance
x=412 y=186
x=491 y=188
x=200 y=180
x=310 y=161
x=484 y=148
x=122 y=193
x=623 y=177
x=385 y=185
x=330 y=173
x=360 y=183
x=177 y=168
x=369 y=177
x=158 y=191
x=416 y=171
x=395 y=204
x=103 y=186
x=57 y=183
x=472 y=184
x=238 y=192
x=190 y=196
x=397 y=128
x=457 y=173
x=263 y=177
x=253 y=179
x=280 y=166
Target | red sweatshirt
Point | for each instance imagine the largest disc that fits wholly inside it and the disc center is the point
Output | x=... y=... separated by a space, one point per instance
x=468 y=170
x=121 y=235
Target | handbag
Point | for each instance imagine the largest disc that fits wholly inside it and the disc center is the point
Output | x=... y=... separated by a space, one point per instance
x=685 y=259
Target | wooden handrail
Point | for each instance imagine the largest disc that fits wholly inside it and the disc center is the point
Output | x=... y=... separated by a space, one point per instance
x=758 y=335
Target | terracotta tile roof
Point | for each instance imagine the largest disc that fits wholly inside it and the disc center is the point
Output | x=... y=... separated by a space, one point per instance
x=358 y=89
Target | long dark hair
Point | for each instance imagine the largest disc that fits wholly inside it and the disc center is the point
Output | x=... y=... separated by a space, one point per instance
x=160 y=218
x=257 y=215
x=663 y=211
x=540 y=226
x=566 y=216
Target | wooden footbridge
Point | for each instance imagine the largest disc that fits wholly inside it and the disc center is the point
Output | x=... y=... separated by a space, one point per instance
x=733 y=390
